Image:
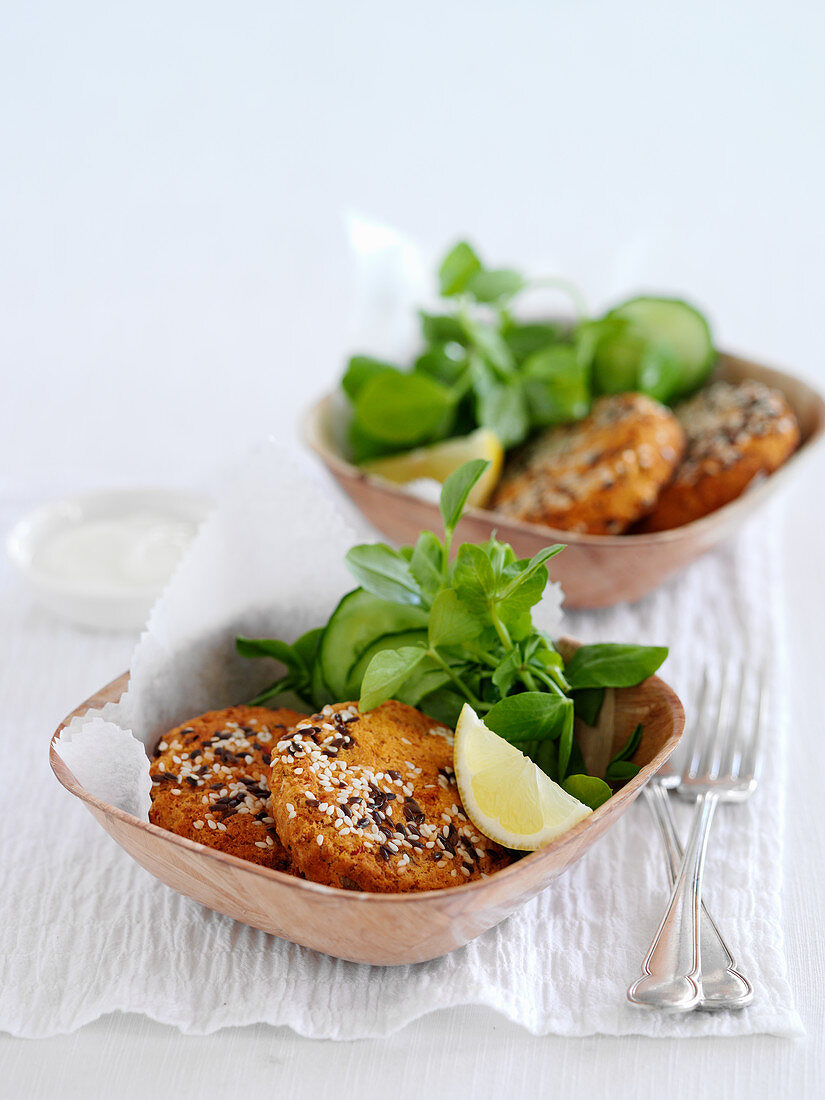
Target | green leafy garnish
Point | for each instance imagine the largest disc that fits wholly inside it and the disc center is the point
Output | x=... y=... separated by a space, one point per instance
x=620 y=767
x=588 y=703
x=457 y=269
x=481 y=367
x=611 y=665
x=436 y=633
x=590 y=790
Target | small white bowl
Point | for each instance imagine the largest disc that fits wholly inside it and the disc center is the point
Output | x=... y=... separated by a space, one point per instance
x=98 y=596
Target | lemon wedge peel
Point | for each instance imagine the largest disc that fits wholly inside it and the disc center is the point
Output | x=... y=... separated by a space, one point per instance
x=439 y=460
x=506 y=796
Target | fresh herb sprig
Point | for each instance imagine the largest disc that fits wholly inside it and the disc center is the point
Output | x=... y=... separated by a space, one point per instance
x=435 y=632
x=480 y=366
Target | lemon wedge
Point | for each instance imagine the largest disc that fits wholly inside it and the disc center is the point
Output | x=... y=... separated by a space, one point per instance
x=440 y=459
x=506 y=795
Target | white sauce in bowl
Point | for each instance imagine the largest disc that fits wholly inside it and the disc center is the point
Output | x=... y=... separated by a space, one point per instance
x=101 y=559
x=129 y=551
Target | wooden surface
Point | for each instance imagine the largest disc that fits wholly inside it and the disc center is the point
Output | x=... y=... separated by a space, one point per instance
x=594 y=570
x=383 y=929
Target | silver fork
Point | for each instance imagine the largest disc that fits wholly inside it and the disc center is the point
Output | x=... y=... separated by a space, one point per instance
x=722 y=984
x=672 y=971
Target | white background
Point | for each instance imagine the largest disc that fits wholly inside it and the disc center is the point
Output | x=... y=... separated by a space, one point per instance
x=175 y=284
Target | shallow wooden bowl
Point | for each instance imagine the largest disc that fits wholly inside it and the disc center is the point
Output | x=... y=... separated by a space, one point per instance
x=594 y=570
x=382 y=929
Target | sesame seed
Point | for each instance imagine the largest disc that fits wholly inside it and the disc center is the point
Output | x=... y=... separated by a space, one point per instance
x=319 y=840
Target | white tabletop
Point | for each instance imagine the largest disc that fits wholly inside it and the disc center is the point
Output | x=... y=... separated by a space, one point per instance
x=174 y=286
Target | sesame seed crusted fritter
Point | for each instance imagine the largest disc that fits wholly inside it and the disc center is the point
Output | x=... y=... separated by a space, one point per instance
x=209 y=782
x=369 y=802
x=597 y=476
x=735 y=433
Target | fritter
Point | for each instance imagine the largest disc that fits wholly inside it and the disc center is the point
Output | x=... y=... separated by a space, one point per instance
x=369 y=802
x=597 y=476
x=209 y=782
x=735 y=433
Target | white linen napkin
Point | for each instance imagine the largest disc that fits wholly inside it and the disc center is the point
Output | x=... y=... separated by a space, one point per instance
x=85 y=931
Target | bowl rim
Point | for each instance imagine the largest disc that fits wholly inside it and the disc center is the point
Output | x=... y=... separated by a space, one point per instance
x=112 y=691
x=312 y=435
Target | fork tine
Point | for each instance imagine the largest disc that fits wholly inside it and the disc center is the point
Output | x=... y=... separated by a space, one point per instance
x=704 y=727
x=729 y=754
x=713 y=717
x=721 y=734
x=750 y=757
x=698 y=729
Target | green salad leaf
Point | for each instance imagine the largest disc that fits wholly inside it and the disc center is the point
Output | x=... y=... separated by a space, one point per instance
x=436 y=633
x=457 y=269
x=590 y=790
x=479 y=366
x=612 y=665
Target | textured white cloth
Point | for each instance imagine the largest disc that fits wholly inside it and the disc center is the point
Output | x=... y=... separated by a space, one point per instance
x=85 y=931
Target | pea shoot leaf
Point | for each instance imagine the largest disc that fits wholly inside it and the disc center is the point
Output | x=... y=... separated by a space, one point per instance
x=587 y=703
x=493 y=285
x=566 y=739
x=613 y=665
x=457 y=269
x=502 y=408
x=386 y=674
x=360 y=369
x=384 y=572
x=438 y=328
x=621 y=771
x=271 y=647
x=451 y=621
x=530 y=716
x=588 y=789
x=630 y=746
x=474 y=578
x=456 y=489
x=507 y=671
x=403 y=409
x=426 y=564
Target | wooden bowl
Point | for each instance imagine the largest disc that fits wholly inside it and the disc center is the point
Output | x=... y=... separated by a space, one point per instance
x=594 y=570
x=382 y=929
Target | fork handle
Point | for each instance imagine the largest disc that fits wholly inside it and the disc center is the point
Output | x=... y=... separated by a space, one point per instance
x=672 y=967
x=721 y=983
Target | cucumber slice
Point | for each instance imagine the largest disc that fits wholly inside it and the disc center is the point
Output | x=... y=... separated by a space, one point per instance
x=386 y=641
x=679 y=332
x=617 y=361
x=355 y=624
